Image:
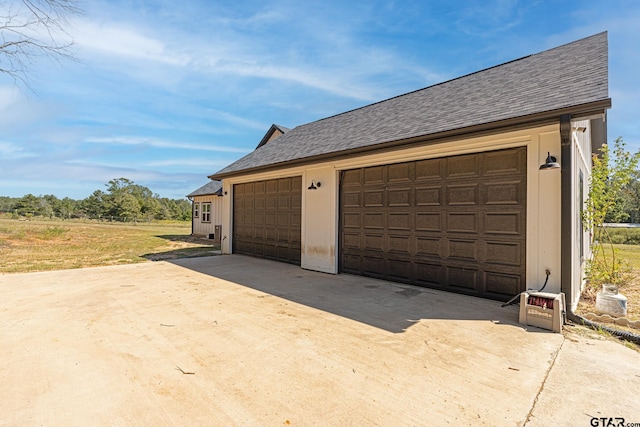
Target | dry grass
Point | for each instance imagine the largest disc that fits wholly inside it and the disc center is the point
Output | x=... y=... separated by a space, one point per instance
x=42 y=245
x=631 y=290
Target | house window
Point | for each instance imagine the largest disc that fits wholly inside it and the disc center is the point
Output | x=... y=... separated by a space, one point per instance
x=206 y=212
x=196 y=209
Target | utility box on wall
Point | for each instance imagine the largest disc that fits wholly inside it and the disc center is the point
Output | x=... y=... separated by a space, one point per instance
x=542 y=310
x=217 y=235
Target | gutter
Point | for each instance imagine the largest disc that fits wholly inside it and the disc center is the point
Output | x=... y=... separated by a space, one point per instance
x=566 y=159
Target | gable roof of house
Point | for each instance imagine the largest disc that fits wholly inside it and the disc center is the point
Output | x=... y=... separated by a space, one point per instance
x=570 y=79
x=212 y=187
x=272 y=130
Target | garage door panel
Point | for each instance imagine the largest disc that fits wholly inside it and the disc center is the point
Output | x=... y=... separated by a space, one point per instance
x=374 y=175
x=466 y=250
x=502 y=283
x=429 y=221
x=462 y=277
x=351 y=199
x=351 y=240
x=454 y=223
x=462 y=222
x=399 y=197
x=463 y=194
x=505 y=162
x=429 y=246
x=284 y=202
x=429 y=170
x=402 y=172
x=374 y=198
x=401 y=244
x=430 y=274
x=296 y=201
x=507 y=223
x=373 y=242
x=400 y=269
x=503 y=193
x=374 y=220
x=267 y=217
x=399 y=221
x=374 y=266
x=271 y=203
x=428 y=196
x=352 y=220
x=504 y=253
x=467 y=166
x=352 y=264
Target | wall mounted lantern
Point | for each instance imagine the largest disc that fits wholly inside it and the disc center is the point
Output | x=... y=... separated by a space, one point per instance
x=314 y=185
x=550 y=163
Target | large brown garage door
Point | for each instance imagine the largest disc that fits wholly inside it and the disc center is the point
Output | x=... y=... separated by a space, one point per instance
x=266 y=219
x=455 y=223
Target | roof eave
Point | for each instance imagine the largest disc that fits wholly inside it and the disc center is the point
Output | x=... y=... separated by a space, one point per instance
x=575 y=111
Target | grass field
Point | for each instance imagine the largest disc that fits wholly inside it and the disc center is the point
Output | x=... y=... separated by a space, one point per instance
x=41 y=245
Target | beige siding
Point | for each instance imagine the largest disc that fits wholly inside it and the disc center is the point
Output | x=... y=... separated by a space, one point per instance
x=201 y=228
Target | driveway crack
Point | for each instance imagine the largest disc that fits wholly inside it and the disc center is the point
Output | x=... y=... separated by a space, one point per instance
x=544 y=381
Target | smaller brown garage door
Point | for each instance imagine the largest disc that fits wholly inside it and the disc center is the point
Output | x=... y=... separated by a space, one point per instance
x=267 y=217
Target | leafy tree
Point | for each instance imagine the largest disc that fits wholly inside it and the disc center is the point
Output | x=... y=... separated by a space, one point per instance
x=66 y=208
x=28 y=205
x=124 y=200
x=50 y=203
x=94 y=206
x=125 y=206
x=612 y=171
x=631 y=199
x=7 y=203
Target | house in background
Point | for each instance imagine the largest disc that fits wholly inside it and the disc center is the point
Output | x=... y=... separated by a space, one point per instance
x=475 y=185
x=206 y=218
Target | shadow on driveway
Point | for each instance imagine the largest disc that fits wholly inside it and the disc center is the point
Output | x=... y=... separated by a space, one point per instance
x=391 y=306
x=184 y=246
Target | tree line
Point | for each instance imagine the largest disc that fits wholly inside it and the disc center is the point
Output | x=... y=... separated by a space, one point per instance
x=123 y=200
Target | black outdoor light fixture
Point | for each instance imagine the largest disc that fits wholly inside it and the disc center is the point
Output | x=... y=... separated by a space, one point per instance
x=314 y=185
x=550 y=163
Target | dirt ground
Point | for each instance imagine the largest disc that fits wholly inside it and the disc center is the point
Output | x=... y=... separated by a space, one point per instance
x=232 y=340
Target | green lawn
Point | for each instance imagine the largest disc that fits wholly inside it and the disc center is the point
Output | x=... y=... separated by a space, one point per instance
x=41 y=245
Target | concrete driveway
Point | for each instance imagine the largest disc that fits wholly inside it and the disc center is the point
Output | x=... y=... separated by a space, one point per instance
x=233 y=340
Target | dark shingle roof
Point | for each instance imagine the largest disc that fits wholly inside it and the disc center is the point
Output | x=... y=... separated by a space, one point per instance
x=210 y=188
x=571 y=75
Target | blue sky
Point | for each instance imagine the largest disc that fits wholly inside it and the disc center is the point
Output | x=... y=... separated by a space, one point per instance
x=165 y=93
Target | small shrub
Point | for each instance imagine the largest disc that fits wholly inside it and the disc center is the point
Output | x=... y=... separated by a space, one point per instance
x=52 y=232
x=624 y=236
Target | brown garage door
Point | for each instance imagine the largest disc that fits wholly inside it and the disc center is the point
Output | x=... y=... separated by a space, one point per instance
x=266 y=219
x=455 y=223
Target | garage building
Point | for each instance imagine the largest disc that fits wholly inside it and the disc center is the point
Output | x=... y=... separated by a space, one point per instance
x=474 y=185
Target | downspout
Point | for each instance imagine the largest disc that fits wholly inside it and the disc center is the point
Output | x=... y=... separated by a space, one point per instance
x=566 y=159
x=191 y=200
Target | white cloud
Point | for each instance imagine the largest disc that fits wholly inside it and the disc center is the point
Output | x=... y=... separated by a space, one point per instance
x=118 y=40
x=12 y=151
x=154 y=142
x=229 y=52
